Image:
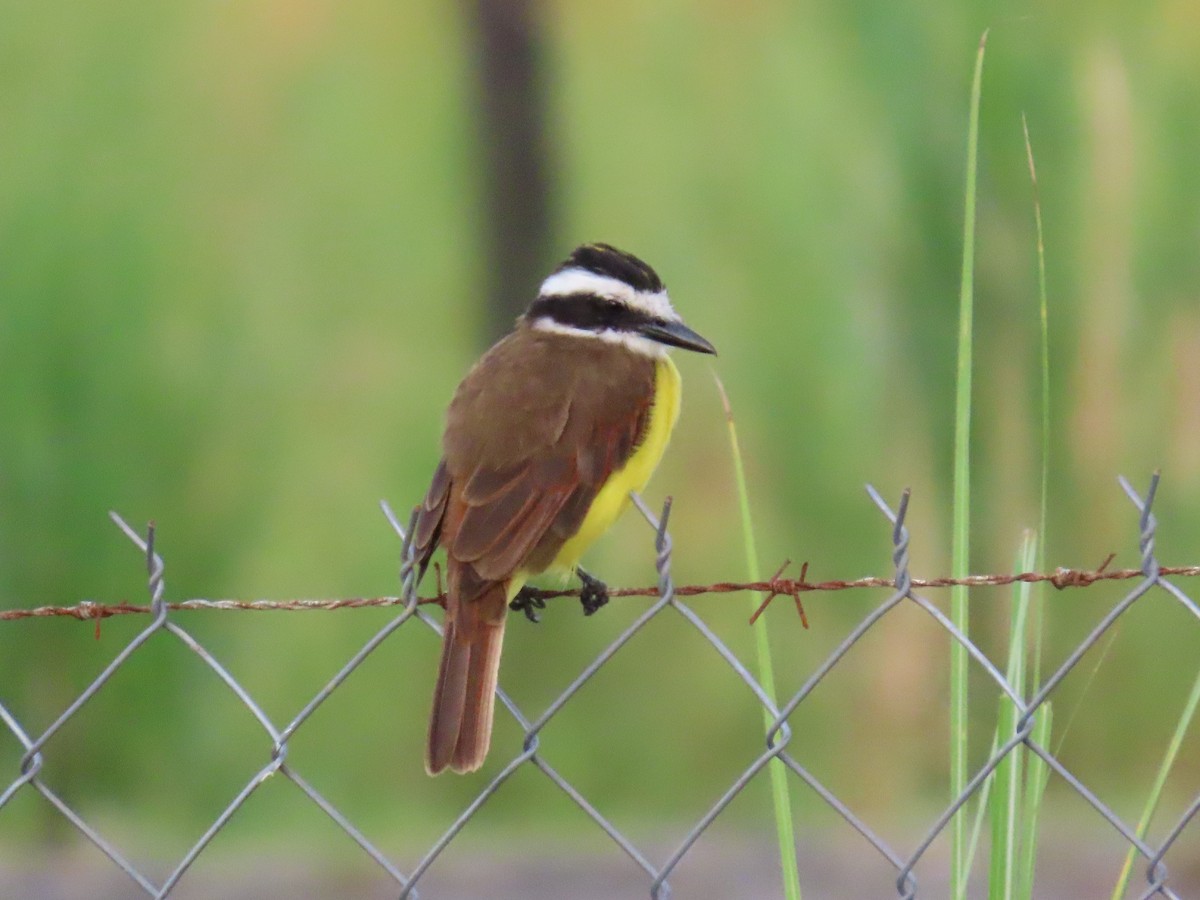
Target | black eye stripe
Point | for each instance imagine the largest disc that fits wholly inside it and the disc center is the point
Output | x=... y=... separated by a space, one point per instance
x=587 y=311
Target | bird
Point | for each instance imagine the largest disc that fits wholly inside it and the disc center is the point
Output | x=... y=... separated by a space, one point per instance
x=544 y=439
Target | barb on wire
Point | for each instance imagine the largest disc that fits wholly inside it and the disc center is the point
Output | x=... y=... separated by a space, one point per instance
x=795 y=594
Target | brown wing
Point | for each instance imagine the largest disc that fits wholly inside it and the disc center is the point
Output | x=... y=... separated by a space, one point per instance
x=428 y=529
x=532 y=434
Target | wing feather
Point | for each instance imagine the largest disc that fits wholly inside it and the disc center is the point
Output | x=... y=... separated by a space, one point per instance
x=533 y=433
x=430 y=515
x=486 y=484
x=483 y=527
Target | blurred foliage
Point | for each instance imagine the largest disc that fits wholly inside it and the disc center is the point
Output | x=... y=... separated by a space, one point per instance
x=239 y=280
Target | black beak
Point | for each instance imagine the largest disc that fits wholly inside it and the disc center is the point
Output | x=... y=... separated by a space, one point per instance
x=676 y=334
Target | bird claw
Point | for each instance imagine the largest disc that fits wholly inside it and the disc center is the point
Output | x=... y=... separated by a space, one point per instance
x=593 y=594
x=527 y=601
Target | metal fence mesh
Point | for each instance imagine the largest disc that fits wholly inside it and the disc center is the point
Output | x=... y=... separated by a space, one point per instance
x=1157 y=881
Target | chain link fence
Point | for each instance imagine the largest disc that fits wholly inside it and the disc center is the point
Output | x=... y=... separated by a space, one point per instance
x=1157 y=881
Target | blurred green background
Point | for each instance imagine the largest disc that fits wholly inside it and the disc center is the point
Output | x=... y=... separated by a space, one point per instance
x=241 y=272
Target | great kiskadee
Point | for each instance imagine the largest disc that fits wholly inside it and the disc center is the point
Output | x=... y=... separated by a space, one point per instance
x=545 y=438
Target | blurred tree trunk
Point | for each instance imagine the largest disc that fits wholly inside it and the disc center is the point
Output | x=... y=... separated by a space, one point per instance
x=511 y=99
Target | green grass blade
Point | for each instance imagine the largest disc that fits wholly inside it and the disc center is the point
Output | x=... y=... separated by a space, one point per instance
x=1005 y=807
x=983 y=806
x=780 y=791
x=961 y=548
x=1044 y=309
x=1037 y=774
x=1004 y=726
x=1003 y=811
x=1160 y=781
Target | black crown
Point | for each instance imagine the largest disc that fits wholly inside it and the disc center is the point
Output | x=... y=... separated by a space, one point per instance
x=604 y=259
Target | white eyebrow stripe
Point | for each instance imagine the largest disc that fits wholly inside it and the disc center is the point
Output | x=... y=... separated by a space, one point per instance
x=581 y=281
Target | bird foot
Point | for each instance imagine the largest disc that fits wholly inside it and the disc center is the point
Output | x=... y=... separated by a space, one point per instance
x=528 y=601
x=593 y=594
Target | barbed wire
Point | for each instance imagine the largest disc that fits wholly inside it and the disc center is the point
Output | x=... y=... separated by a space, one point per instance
x=1061 y=578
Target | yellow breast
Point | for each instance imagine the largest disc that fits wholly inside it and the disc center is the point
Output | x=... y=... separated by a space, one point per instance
x=613 y=497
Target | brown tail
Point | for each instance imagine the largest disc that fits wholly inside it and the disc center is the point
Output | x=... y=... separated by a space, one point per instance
x=460 y=727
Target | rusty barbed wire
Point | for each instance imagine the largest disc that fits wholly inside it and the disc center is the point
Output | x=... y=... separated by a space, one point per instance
x=1061 y=578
